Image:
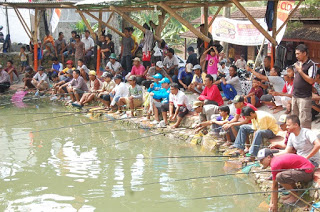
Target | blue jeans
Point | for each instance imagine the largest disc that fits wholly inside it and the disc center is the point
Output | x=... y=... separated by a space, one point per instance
x=187 y=80
x=229 y=91
x=126 y=64
x=243 y=133
x=259 y=135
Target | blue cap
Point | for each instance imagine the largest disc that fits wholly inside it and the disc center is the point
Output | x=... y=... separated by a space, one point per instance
x=165 y=80
x=157 y=76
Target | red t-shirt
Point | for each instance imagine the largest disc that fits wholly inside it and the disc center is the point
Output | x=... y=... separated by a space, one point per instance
x=287 y=88
x=290 y=161
x=238 y=110
x=212 y=94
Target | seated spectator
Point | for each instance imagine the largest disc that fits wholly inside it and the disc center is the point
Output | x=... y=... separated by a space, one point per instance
x=197 y=83
x=223 y=70
x=62 y=85
x=302 y=140
x=283 y=99
x=178 y=106
x=224 y=118
x=11 y=70
x=294 y=169
x=170 y=63
x=94 y=86
x=120 y=90
x=156 y=85
x=223 y=59
x=88 y=47
x=76 y=87
x=241 y=63
x=28 y=78
x=264 y=125
x=84 y=71
x=113 y=66
x=158 y=68
x=255 y=93
x=283 y=135
x=40 y=80
x=69 y=66
x=316 y=96
x=231 y=85
x=48 y=43
x=184 y=77
x=206 y=112
x=104 y=92
x=212 y=56
x=55 y=68
x=162 y=97
x=135 y=96
x=192 y=58
x=138 y=70
x=237 y=121
x=4 y=80
x=211 y=93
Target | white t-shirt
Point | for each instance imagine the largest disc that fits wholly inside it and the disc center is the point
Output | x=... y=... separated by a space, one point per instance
x=167 y=62
x=303 y=143
x=84 y=67
x=115 y=67
x=88 y=43
x=277 y=82
x=180 y=99
x=224 y=70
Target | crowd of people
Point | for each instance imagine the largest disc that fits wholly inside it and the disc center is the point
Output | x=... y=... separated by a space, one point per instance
x=157 y=84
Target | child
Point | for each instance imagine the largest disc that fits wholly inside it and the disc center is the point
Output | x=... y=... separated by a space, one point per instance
x=255 y=93
x=213 y=60
x=23 y=59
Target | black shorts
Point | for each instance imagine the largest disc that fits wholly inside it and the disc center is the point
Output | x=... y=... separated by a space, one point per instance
x=105 y=97
x=65 y=89
x=183 y=111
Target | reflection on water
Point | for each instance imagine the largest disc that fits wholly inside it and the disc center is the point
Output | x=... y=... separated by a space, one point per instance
x=83 y=169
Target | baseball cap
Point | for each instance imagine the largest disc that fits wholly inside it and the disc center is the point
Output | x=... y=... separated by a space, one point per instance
x=132 y=78
x=263 y=153
x=92 y=73
x=28 y=68
x=165 y=80
x=118 y=76
x=136 y=59
x=282 y=119
x=237 y=99
x=189 y=67
x=69 y=62
x=196 y=67
x=104 y=74
x=40 y=68
x=197 y=104
x=157 y=76
x=159 y=64
x=77 y=36
x=113 y=56
x=284 y=73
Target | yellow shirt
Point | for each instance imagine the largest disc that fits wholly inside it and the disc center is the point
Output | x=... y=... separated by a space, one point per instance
x=66 y=69
x=265 y=121
x=135 y=43
x=196 y=78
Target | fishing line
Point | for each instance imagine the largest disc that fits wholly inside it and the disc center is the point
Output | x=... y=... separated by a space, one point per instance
x=177 y=157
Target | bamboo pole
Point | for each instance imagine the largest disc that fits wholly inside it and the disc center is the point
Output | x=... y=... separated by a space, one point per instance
x=99 y=23
x=35 y=41
x=87 y=24
x=259 y=53
x=254 y=22
x=205 y=15
x=131 y=21
x=184 y=22
x=110 y=17
x=214 y=17
x=107 y=25
x=22 y=21
x=289 y=16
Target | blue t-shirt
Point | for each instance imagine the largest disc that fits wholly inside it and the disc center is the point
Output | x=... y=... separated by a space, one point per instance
x=57 y=67
x=183 y=74
x=156 y=87
x=229 y=118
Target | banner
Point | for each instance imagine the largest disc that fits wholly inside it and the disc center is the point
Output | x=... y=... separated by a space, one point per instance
x=55 y=19
x=241 y=32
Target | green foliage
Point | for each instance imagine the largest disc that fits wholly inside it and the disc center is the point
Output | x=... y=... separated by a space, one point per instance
x=293 y=25
x=80 y=27
x=311 y=9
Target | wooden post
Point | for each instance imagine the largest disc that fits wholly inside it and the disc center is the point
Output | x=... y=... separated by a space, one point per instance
x=23 y=23
x=214 y=17
x=205 y=15
x=98 y=47
x=87 y=25
x=107 y=25
x=184 y=22
x=35 y=41
x=131 y=21
x=110 y=17
x=165 y=23
x=99 y=23
x=274 y=22
x=254 y=22
x=289 y=16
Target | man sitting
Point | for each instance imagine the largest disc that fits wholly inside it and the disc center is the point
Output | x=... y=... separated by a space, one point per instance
x=28 y=78
x=104 y=93
x=120 y=90
x=231 y=85
x=197 y=83
x=178 y=106
x=134 y=98
x=113 y=66
x=84 y=71
x=56 y=67
x=76 y=87
x=62 y=85
x=211 y=93
x=264 y=125
x=4 y=80
x=157 y=69
x=287 y=169
x=40 y=81
x=184 y=77
x=171 y=63
x=138 y=70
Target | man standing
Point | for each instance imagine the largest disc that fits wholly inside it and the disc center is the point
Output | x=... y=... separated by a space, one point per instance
x=126 y=47
x=305 y=72
x=88 y=47
x=302 y=140
x=60 y=46
x=78 y=49
x=192 y=58
x=287 y=170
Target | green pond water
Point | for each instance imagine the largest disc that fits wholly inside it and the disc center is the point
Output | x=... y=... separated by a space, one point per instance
x=81 y=168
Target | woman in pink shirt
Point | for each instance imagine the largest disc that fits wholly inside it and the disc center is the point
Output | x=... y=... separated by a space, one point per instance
x=213 y=60
x=138 y=71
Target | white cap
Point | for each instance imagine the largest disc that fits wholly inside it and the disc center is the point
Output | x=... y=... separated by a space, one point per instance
x=263 y=153
x=104 y=74
x=159 y=64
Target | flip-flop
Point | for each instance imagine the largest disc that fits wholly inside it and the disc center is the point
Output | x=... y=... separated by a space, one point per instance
x=76 y=105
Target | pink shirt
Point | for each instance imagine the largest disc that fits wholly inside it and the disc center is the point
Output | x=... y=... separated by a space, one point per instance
x=290 y=161
x=212 y=64
x=137 y=71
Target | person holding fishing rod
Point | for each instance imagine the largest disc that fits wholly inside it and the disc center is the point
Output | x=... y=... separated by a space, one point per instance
x=287 y=169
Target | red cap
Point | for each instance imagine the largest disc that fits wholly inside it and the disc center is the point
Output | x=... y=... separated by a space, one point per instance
x=69 y=62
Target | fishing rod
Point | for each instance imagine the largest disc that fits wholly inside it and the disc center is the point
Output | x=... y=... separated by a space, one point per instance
x=178 y=157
